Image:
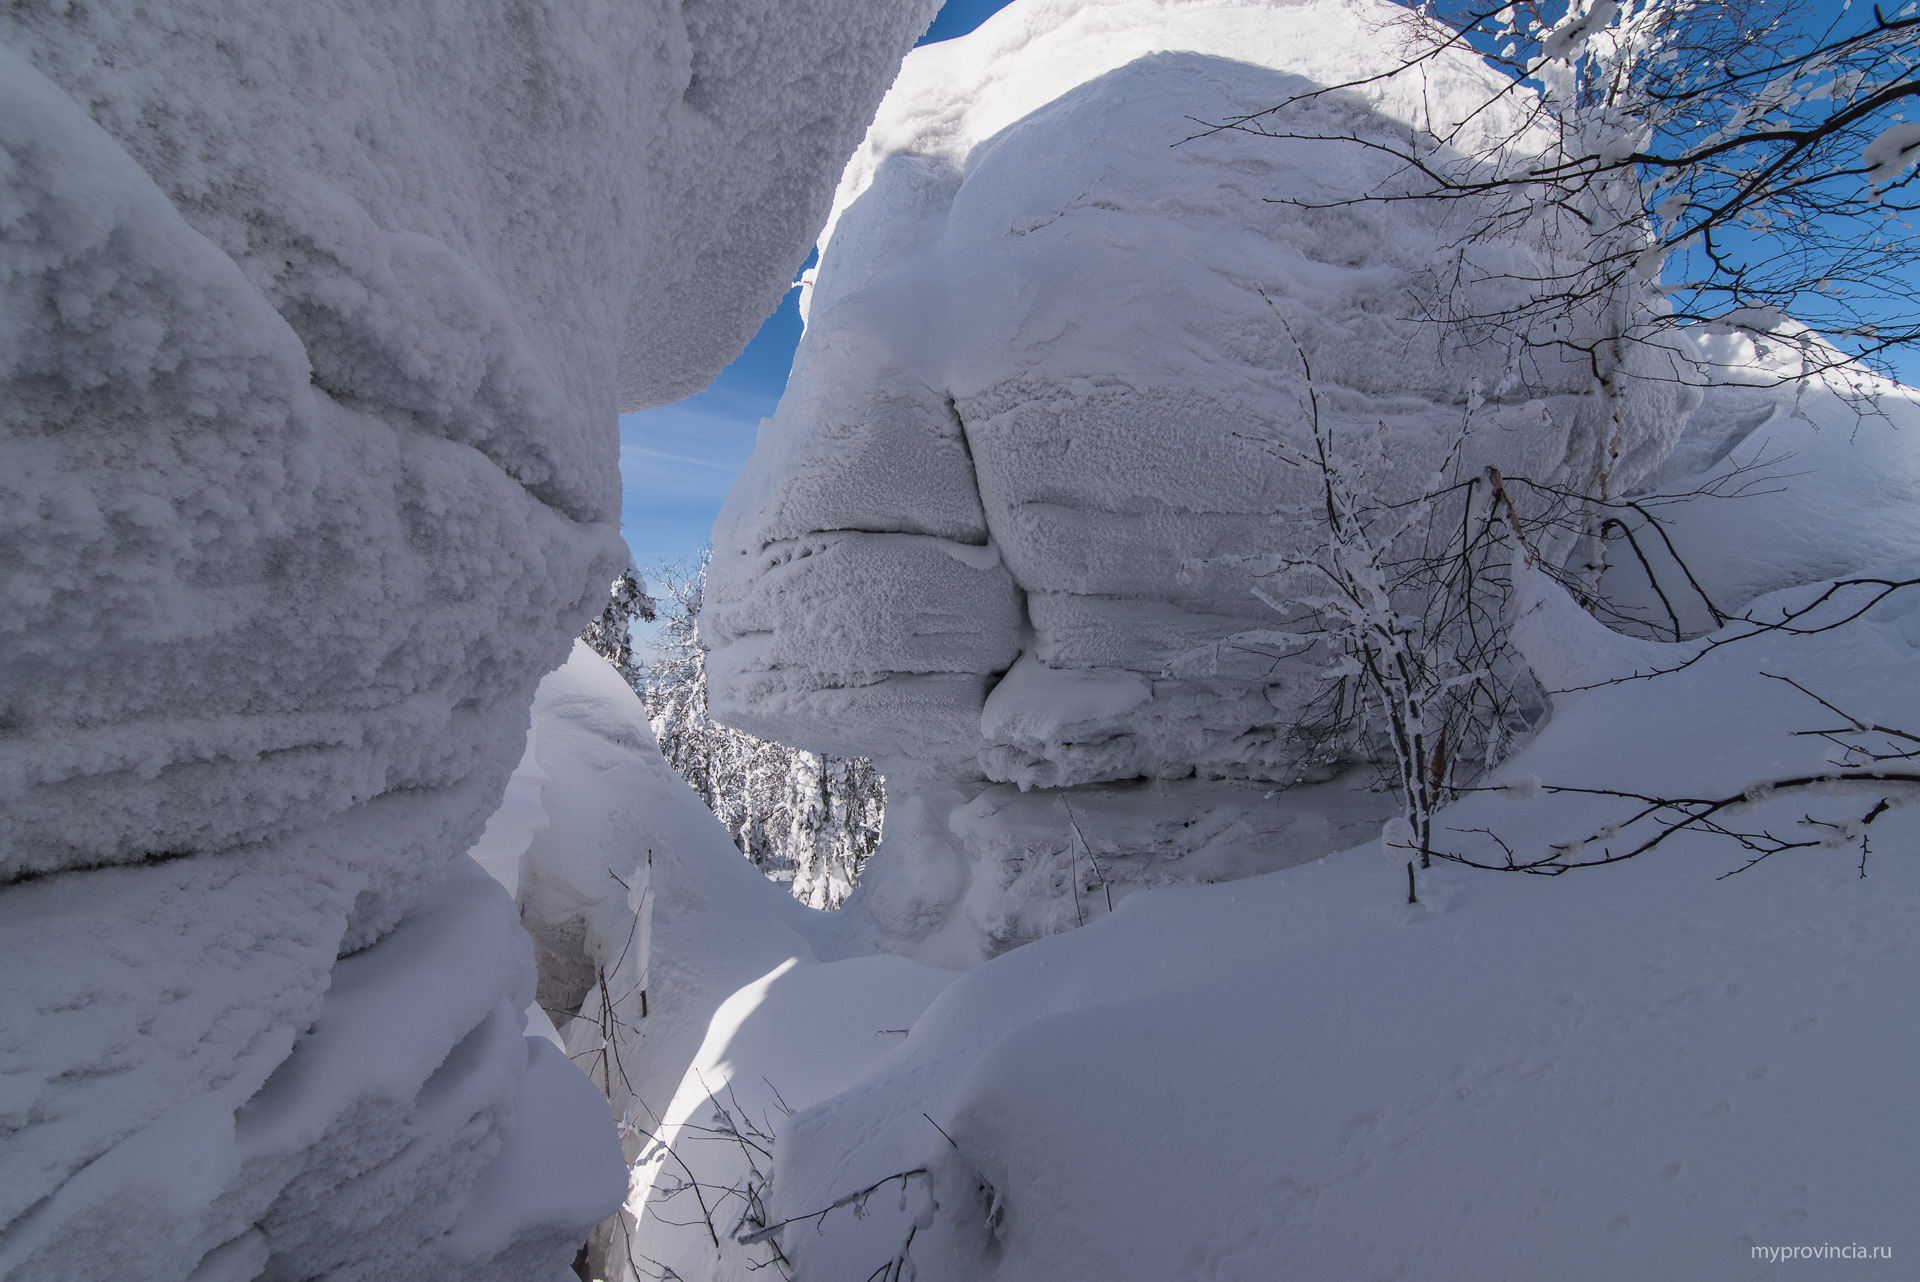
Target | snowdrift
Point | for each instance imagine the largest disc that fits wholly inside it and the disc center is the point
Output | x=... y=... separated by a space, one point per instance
x=680 y=958
x=314 y=323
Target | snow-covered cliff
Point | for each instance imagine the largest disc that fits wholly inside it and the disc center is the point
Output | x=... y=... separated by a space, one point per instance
x=314 y=320
x=1059 y=367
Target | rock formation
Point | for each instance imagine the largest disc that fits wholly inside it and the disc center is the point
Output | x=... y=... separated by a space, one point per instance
x=314 y=322
x=1045 y=427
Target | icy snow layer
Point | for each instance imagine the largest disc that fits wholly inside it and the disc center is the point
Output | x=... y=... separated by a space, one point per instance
x=412 y=1131
x=314 y=319
x=1639 y=1071
x=1052 y=367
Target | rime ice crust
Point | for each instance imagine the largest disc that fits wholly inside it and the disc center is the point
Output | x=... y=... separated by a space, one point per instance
x=314 y=319
x=1073 y=354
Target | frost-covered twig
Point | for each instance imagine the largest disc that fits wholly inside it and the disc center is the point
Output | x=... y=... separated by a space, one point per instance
x=1808 y=619
x=856 y=1200
x=1662 y=817
x=1074 y=834
x=731 y=1125
x=899 y=1267
x=1758 y=146
x=1861 y=771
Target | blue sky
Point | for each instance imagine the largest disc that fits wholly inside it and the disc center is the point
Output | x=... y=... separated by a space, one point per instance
x=677 y=462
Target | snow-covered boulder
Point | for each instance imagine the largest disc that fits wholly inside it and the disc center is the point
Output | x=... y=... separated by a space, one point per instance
x=1060 y=365
x=314 y=320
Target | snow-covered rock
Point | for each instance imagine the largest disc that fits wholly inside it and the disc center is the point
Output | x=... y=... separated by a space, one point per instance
x=1641 y=1070
x=314 y=320
x=1060 y=364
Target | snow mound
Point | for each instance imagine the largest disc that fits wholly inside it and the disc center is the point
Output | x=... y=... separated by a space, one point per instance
x=1820 y=478
x=314 y=320
x=1060 y=364
x=410 y=1100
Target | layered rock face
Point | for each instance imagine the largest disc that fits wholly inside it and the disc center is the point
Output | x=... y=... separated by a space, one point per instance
x=1045 y=430
x=314 y=321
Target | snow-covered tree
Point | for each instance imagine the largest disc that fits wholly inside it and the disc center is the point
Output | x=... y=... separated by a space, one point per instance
x=834 y=806
x=1403 y=605
x=1406 y=604
x=1672 y=170
x=1682 y=168
x=611 y=635
x=803 y=818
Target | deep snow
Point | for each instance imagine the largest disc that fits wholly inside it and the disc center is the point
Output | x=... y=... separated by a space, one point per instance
x=309 y=383
x=1646 y=1070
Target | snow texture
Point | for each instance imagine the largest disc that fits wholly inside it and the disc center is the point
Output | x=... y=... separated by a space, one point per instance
x=314 y=320
x=1633 y=1072
x=1892 y=152
x=1045 y=422
x=411 y=1102
x=582 y=881
x=1645 y=1070
x=1823 y=480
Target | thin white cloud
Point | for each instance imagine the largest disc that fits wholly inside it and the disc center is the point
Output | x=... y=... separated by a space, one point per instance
x=732 y=469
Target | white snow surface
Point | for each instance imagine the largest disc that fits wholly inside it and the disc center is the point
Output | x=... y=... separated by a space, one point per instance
x=314 y=321
x=1647 y=1070
x=1631 y=1072
x=1822 y=479
x=410 y=1102
x=627 y=881
x=1053 y=394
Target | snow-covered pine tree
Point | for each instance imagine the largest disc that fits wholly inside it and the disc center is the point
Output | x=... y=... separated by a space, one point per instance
x=834 y=806
x=805 y=819
x=611 y=635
